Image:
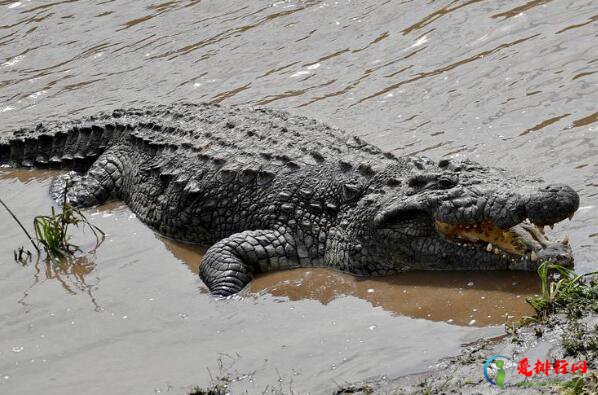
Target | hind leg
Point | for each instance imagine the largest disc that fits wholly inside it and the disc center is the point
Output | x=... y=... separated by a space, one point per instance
x=102 y=181
x=229 y=265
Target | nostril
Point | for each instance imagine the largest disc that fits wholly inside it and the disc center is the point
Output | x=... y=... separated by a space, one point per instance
x=443 y=163
x=417 y=181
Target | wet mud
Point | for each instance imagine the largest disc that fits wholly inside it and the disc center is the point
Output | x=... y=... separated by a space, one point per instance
x=508 y=84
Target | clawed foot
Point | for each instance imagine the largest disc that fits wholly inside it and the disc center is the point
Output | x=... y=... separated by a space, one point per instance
x=76 y=190
x=59 y=189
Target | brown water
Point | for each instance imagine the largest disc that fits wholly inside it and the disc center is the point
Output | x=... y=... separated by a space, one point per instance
x=508 y=83
x=460 y=298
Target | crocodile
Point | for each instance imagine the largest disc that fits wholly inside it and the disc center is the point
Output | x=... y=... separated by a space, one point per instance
x=267 y=190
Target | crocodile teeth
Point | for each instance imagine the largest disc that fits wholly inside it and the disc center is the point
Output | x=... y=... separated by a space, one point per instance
x=566 y=240
x=496 y=251
x=489 y=247
x=533 y=256
x=571 y=217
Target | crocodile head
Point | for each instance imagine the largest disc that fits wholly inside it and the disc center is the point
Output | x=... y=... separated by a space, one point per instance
x=461 y=215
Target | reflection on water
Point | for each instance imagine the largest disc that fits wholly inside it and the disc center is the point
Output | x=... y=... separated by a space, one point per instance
x=471 y=298
x=460 y=298
x=25 y=175
x=73 y=275
x=189 y=254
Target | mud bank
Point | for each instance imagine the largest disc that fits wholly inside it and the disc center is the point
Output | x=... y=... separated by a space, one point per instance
x=570 y=334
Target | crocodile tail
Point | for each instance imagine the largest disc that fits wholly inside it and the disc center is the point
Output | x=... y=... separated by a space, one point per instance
x=61 y=145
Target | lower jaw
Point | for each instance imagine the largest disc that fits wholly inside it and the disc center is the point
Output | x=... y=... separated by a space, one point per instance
x=476 y=258
x=518 y=248
x=456 y=259
x=523 y=265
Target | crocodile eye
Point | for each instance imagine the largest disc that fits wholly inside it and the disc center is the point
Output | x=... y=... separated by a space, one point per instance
x=446 y=183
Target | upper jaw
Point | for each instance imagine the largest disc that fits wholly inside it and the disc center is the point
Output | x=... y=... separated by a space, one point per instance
x=506 y=208
x=507 y=223
x=503 y=208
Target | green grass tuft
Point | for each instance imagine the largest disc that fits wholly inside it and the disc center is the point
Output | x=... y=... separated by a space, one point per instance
x=52 y=233
x=581 y=339
x=562 y=288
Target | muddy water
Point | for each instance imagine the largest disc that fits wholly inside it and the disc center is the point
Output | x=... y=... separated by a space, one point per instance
x=507 y=83
x=472 y=298
x=135 y=318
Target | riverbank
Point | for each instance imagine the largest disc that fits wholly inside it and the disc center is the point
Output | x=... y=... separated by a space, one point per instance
x=566 y=328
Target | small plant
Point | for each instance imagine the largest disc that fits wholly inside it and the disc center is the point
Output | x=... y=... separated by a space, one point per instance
x=218 y=389
x=581 y=385
x=575 y=386
x=562 y=287
x=581 y=338
x=561 y=290
x=52 y=233
x=365 y=389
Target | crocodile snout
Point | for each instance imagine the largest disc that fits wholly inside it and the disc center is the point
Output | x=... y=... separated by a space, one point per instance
x=551 y=204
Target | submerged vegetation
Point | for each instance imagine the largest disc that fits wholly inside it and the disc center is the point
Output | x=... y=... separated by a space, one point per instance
x=52 y=241
x=52 y=233
x=581 y=339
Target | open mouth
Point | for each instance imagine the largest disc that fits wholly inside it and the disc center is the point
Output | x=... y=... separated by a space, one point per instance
x=524 y=241
x=487 y=227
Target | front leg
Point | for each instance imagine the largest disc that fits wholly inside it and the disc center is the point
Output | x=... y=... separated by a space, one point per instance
x=229 y=265
x=102 y=180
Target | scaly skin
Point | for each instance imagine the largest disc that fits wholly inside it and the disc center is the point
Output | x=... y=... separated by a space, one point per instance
x=269 y=191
